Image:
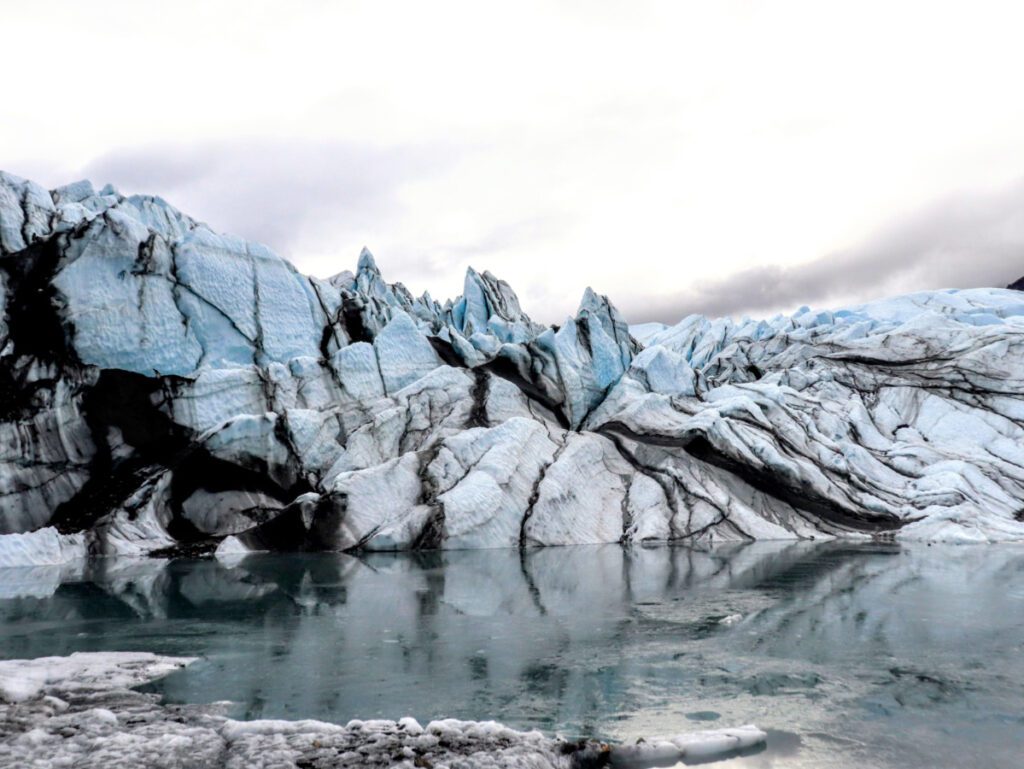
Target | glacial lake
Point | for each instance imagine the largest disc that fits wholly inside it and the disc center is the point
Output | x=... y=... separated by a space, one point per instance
x=848 y=655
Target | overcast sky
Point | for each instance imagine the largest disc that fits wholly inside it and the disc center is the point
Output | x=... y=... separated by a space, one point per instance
x=726 y=157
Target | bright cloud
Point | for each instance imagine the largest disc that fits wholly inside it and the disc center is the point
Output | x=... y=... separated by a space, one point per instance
x=671 y=154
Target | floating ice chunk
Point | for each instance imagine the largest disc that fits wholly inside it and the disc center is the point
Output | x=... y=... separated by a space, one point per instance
x=230 y=550
x=23 y=679
x=43 y=547
x=692 y=746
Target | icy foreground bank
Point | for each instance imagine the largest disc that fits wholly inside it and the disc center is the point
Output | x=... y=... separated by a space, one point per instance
x=79 y=711
x=169 y=389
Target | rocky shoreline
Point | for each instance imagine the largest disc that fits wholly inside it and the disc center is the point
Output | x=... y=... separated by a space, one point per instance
x=81 y=711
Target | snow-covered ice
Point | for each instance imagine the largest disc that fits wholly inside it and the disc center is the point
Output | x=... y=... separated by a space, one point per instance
x=80 y=711
x=691 y=747
x=21 y=680
x=167 y=387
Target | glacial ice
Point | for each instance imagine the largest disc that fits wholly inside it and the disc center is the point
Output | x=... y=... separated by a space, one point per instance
x=80 y=711
x=43 y=547
x=166 y=387
x=22 y=680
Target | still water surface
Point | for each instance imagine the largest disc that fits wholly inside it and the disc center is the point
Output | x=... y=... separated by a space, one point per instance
x=851 y=656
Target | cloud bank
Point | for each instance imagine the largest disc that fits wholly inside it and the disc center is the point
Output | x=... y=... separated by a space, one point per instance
x=329 y=198
x=961 y=241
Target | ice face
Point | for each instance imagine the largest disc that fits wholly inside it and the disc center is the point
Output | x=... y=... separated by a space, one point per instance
x=166 y=386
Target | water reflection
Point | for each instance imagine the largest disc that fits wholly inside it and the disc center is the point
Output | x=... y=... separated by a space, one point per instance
x=869 y=654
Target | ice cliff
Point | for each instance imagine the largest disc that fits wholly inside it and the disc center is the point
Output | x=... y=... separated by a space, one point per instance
x=167 y=389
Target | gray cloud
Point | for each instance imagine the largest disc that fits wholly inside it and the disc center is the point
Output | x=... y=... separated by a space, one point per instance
x=290 y=195
x=508 y=235
x=412 y=262
x=303 y=199
x=279 y=193
x=961 y=241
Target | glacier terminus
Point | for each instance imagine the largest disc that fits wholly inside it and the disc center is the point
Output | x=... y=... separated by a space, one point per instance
x=167 y=389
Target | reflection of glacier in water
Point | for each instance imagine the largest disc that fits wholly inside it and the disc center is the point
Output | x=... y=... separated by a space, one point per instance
x=870 y=655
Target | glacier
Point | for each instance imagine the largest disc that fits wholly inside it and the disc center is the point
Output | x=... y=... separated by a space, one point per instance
x=171 y=390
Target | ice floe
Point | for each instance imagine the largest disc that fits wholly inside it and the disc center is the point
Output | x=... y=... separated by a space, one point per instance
x=80 y=711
